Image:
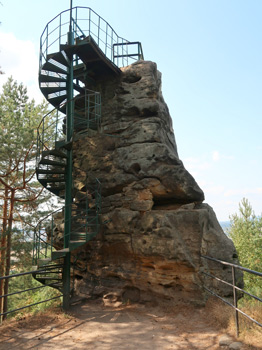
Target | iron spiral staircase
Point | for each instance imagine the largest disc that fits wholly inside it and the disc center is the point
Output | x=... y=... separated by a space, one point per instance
x=71 y=61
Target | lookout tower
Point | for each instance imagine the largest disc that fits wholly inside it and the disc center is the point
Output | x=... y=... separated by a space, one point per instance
x=78 y=48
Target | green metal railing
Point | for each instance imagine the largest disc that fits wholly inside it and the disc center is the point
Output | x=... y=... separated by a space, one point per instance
x=51 y=269
x=235 y=289
x=43 y=237
x=84 y=225
x=49 y=131
x=52 y=127
x=87 y=111
x=125 y=51
x=87 y=22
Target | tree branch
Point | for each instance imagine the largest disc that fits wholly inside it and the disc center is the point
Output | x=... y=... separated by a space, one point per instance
x=30 y=199
x=6 y=184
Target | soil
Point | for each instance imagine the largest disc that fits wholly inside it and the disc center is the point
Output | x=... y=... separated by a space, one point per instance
x=91 y=325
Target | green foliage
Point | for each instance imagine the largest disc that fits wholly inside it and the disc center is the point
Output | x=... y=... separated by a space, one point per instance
x=19 y=120
x=30 y=297
x=20 y=193
x=21 y=261
x=246 y=233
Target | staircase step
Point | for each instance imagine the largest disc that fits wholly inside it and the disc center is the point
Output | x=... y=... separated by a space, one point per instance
x=56 y=192
x=50 y=172
x=55 y=189
x=75 y=244
x=82 y=237
x=56 y=254
x=79 y=88
x=57 y=100
x=42 y=262
x=59 y=57
x=83 y=221
x=78 y=236
x=44 y=78
x=51 y=67
x=63 y=144
x=77 y=241
x=56 y=285
x=51 y=162
x=54 y=152
x=64 y=250
x=48 y=272
x=45 y=181
x=63 y=109
x=68 y=49
x=79 y=69
x=47 y=90
x=48 y=278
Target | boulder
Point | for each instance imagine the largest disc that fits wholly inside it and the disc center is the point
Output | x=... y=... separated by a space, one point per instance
x=154 y=224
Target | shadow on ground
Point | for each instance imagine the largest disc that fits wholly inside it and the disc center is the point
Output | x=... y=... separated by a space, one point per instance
x=91 y=326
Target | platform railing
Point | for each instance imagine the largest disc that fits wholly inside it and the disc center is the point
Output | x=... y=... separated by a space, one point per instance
x=127 y=50
x=86 y=22
x=235 y=289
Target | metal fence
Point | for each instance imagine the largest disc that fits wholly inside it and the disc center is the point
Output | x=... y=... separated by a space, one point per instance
x=87 y=23
x=44 y=270
x=235 y=288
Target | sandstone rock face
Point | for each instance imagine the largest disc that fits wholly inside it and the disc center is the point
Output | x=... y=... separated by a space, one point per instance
x=154 y=226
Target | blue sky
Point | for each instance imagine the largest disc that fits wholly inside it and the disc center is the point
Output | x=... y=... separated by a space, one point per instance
x=210 y=56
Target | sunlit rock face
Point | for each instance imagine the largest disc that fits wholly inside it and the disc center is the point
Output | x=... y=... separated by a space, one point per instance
x=154 y=226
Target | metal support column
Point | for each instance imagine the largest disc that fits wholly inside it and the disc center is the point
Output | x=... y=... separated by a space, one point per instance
x=69 y=171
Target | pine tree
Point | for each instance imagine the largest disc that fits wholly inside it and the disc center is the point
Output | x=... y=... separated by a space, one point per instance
x=246 y=233
x=20 y=193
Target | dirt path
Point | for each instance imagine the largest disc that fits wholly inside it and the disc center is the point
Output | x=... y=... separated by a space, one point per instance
x=90 y=326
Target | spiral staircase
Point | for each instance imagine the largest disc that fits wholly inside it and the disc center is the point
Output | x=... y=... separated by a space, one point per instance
x=70 y=63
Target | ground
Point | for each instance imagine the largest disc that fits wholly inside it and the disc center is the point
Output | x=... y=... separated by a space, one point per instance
x=91 y=325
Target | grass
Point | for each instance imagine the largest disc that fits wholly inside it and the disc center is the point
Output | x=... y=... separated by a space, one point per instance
x=30 y=297
x=33 y=319
x=223 y=316
x=249 y=330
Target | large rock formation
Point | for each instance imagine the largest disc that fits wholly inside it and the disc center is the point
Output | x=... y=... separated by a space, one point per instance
x=154 y=226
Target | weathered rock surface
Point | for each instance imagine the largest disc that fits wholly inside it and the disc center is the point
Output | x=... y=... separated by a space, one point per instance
x=154 y=226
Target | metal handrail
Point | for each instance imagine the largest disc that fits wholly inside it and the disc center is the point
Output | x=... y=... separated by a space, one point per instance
x=47 y=269
x=50 y=129
x=137 y=53
x=235 y=289
x=86 y=22
x=38 y=240
x=27 y=306
x=44 y=239
x=48 y=132
x=231 y=285
x=233 y=265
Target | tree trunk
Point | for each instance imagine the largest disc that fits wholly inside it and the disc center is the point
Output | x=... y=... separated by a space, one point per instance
x=3 y=249
x=8 y=250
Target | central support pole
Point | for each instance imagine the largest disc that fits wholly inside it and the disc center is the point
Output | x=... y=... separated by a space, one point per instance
x=69 y=169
